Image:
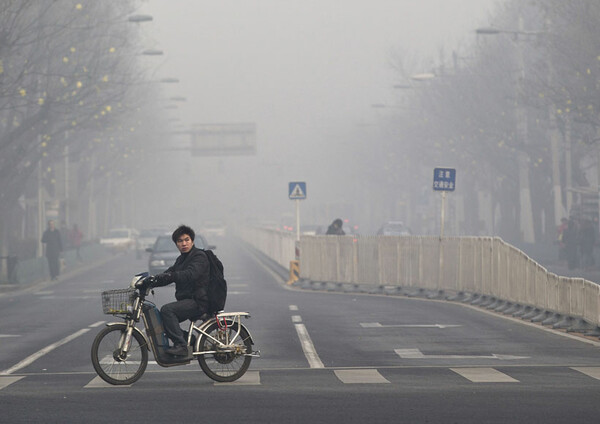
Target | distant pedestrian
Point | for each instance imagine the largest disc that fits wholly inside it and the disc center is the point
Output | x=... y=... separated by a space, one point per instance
x=75 y=236
x=335 y=229
x=53 y=241
x=562 y=254
x=571 y=241
x=587 y=239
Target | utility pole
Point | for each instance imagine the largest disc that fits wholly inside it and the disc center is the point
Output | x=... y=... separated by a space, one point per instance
x=526 y=211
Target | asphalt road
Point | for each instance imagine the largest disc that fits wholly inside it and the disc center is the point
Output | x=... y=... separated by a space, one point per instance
x=326 y=358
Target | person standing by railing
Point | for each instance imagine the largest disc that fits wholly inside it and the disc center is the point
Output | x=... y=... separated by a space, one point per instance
x=587 y=239
x=562 y=255
x=335 y=229
x=571 y=241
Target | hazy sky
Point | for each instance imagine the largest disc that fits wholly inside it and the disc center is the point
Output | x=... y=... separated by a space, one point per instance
x=306 y=71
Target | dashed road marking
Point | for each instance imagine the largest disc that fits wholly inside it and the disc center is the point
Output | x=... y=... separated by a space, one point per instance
x=251 y=378
x=593 y=372
x=484 y=375
x=296 y=318
x=417 y=354
x=293 y=308
x=307 y=346
x=379 y=325
x=365 y=376
x=98 y=383
x=7 y=381
x=31 y=358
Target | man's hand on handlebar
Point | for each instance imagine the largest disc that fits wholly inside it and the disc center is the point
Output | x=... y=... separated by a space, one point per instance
x=146 y=284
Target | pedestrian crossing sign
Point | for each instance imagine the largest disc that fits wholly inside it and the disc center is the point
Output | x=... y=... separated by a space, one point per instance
x=297 y=190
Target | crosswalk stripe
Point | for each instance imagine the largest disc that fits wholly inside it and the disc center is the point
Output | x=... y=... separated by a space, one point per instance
x=7 y=381
x=98 y=383
x=484 y=375
x=365 y=376
x=593 y=372
x=251 y=378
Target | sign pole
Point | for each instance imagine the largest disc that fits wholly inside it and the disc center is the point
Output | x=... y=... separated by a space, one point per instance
x=443 y=214
x=297 y=219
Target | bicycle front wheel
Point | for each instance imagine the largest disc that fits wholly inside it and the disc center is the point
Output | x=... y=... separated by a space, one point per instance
x=229 y=363
x=111 y=364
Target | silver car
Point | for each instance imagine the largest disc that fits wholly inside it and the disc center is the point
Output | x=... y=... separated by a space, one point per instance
x=164 y=252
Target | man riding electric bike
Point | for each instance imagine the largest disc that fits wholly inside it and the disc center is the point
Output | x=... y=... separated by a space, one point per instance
x=190 y=273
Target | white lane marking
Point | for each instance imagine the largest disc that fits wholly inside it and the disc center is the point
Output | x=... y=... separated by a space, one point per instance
x=44 y=292
x=366 y=376
x=484 y=375
x=25 y=362
x=51 y=297
x=308 y=347
x=98 y=383
x=378 y=325
x=593 y=372
x=7 y=381
x=97 y=324
x=293 y=308
x=417 y=354
x=237 y=292
x=9 y=335
x=251 y=378
x=296 y=318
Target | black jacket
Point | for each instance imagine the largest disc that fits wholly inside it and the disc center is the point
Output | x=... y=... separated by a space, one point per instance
x=53 y=242
x=190 y=273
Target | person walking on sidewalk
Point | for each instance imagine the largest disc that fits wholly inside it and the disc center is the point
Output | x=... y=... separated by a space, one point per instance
x=76 y=236
x=51 y=238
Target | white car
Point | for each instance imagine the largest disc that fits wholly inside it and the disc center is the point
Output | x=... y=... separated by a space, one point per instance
x=119 y=239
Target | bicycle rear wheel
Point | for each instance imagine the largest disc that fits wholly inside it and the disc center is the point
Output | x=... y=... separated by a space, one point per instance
x=108 y=361
x=226 y=364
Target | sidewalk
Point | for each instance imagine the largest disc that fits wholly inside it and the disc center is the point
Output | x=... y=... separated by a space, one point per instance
x=590 y=273
x=16 y=289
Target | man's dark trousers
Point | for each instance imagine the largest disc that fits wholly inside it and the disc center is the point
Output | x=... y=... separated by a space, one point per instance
x=175 y=312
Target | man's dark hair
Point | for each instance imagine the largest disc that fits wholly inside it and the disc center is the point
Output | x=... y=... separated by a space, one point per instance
x=181 y=230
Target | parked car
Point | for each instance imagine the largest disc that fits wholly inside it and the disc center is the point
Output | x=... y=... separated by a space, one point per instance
x=394 y=228
x=164 y=252
x=120 y=239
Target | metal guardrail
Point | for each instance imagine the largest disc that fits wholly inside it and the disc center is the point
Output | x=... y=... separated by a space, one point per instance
x=485 y=267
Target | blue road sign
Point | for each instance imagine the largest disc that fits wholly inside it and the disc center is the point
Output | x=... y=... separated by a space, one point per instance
x=444 y=179
x=297 y=190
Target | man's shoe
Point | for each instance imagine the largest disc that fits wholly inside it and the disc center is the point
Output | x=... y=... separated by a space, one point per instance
x=177 y=350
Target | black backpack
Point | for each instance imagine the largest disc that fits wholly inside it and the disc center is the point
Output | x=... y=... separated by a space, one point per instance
x=217 y=287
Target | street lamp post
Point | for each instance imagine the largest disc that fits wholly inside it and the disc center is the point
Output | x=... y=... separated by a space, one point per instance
x=526 y=210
